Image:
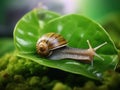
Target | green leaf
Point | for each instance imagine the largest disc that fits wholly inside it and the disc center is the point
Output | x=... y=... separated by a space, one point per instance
x=76 y=29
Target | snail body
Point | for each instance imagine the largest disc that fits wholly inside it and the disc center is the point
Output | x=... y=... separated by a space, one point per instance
x=54 y=47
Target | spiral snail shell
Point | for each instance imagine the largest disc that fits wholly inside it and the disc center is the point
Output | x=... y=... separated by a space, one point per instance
x=49 y=42
x=54 y=47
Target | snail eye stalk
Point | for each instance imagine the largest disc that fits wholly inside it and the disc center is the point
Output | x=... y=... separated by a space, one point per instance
x=95 y=49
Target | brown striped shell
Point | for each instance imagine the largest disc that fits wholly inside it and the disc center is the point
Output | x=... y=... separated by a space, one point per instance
x=49 y=42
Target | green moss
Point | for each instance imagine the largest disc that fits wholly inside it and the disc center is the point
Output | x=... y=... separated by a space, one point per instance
x=18 y=78
x=4 y=61
x=90 y=85
x=61 y=86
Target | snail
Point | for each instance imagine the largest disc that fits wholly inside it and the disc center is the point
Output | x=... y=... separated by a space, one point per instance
x=54 y=46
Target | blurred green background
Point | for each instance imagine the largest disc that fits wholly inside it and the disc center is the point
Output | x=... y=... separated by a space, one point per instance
x=96 y=9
